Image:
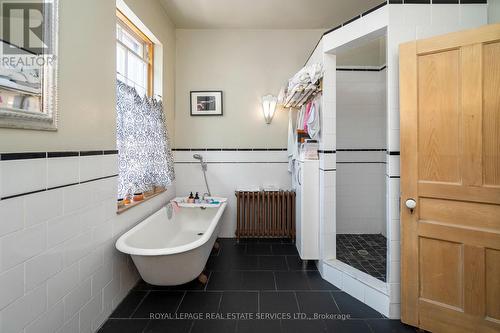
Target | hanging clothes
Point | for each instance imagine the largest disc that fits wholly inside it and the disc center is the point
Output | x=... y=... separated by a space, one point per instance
x=306 y=116
x=300 y=117
x=292 y=140
x=313 y=124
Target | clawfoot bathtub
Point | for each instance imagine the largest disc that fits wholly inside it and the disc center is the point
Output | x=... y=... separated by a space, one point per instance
x=172 y=248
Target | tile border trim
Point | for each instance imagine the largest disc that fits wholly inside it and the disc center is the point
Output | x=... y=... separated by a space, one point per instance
x=229 y=149
x=233 y=162
x=57 y=187
x=363 y=149
x=398 y=2
x=54 y=154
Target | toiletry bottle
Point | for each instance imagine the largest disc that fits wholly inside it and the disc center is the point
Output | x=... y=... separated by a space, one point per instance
x=191 y=198
x=196 y=198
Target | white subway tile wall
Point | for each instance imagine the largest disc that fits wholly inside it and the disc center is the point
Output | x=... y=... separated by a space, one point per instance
x=59 y=269
x=229 y=171
x=361 y=125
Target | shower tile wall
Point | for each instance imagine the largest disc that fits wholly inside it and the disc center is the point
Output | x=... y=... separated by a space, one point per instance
x=361 y=155
x=59 y=269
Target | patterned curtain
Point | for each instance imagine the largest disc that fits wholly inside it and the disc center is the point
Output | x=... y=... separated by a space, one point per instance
x=144 y=154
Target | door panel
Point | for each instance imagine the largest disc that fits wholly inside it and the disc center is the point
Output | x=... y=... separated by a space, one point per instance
x=491 y=115
x=439 y=138
x=493 y=284
x=441 y=272
x=450 y=165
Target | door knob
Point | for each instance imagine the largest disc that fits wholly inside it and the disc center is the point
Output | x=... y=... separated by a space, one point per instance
x=411 y=204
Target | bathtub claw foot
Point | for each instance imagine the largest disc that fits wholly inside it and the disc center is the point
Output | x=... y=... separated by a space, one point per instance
x=216 y=245
x=203 y=278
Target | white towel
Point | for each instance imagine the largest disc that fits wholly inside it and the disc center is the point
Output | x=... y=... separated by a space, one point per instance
x=292 y=140
x=313 y=125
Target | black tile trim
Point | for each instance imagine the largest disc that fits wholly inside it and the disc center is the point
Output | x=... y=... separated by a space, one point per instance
x=410 y=2
x=229 y=149
x=438 y=2
x=56 y=187
x=22 y=156
x=62 y=154
x=392 y=152
x=374 y=8
x=357 y=70
x=91 y=152
x=393 y=176
x=361 y=162
x=473 y=1
x=354 y=19
x=327 y=151
x=54 y=154
x=347 y=69
x=343 y=24
x=363 y=149
x=21 y=194
x=100 y=178
x=327 y=32
x=328 y=169
x=61 y=186
x=316 y=46
x=351 y=20
x=232 y=162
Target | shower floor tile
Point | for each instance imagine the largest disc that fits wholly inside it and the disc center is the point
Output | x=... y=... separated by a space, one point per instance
x=366 y=252
x=262 y=278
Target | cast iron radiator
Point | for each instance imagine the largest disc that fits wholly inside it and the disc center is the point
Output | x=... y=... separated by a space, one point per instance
x=264 y=214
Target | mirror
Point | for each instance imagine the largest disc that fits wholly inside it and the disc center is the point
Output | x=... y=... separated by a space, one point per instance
x=28 y=66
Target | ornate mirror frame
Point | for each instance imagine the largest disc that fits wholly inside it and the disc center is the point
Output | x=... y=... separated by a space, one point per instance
x=45 y=117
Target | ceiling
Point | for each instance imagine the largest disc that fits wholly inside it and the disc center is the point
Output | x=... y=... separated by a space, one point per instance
x=263 y=14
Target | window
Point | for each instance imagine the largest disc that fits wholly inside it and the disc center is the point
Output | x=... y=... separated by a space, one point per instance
x=134 y=56
x=145 y=161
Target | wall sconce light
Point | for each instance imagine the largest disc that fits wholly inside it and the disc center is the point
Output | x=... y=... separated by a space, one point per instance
x=269 y=107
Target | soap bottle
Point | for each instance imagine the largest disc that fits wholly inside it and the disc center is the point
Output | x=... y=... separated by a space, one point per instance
x=196 y=198
x=191 y=198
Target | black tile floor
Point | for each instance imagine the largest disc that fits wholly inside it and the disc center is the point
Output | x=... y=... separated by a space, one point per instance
x=254 y=286
x=366 y=252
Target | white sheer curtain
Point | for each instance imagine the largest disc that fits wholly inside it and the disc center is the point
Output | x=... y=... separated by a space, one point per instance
x=144 y=154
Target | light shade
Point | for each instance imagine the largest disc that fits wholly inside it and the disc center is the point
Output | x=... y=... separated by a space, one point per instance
x=269 y=107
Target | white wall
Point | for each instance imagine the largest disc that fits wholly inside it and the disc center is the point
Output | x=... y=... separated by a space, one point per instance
x=228 y=171
x=59 y=269
x=245 y=65
x=361 y=125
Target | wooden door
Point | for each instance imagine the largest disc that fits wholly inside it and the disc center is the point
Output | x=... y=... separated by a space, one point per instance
x=450 y=166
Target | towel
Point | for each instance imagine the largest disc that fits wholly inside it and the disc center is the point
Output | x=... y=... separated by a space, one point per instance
x=306 y=116
x=313 y=125
x=292 y=140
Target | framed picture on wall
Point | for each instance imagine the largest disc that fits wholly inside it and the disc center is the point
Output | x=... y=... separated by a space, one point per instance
x=206 y=103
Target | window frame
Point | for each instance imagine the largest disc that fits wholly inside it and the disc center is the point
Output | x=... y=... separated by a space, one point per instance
x=132 y=29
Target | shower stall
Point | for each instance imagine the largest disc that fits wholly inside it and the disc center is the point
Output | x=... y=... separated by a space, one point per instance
x=361 y=158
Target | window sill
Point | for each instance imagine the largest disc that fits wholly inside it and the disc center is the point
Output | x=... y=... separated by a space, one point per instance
x=133 y=204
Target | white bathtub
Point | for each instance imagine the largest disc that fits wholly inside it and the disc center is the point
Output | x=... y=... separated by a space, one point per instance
x=171 y=248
